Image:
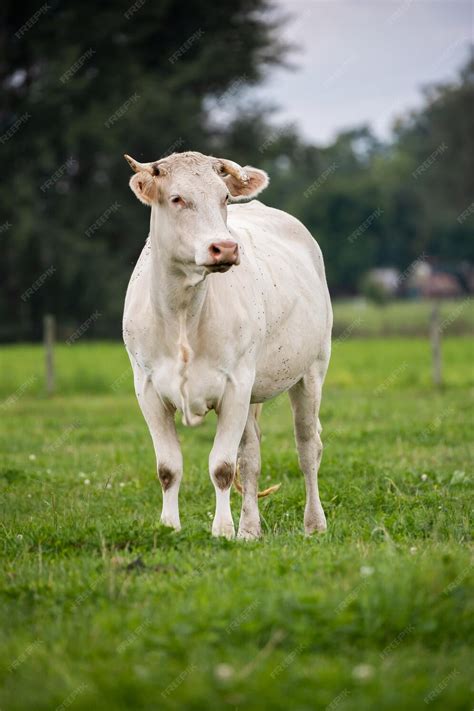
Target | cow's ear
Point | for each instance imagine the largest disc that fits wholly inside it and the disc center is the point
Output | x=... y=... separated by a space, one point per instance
x=145 y=187
x=243 y=183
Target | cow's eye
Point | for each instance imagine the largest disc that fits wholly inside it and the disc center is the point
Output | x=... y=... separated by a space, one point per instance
x=177 y=200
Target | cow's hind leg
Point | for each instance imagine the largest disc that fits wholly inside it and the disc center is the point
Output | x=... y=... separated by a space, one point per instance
x=249 y=470
x=305 y=399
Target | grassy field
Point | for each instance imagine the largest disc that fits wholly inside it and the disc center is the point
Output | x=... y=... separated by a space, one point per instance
x=357 y=317
x=103 y=608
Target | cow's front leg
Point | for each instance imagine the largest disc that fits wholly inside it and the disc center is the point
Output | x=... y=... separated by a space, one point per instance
x=232 y=416
x=169 y=460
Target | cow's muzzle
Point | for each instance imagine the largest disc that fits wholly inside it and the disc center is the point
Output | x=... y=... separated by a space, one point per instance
x=222 y=255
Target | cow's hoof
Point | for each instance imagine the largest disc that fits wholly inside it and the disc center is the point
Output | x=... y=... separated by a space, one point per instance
x=314 y=520
x=170 y=523
x=315 y=527
x=223 y=530
x=248 y=533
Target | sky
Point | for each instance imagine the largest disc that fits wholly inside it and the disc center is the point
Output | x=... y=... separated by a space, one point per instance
x=364 y=61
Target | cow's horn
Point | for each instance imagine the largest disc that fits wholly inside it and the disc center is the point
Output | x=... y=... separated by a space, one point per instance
x=138 y=167
x=234 y=169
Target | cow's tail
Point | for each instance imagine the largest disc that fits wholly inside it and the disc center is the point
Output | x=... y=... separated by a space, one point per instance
x=261 y=494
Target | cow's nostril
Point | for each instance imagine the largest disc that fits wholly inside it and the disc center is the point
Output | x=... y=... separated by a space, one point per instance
x=224 y=252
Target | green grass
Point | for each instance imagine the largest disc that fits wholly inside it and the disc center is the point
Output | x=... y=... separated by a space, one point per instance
x=357 y=317
x=376 y=614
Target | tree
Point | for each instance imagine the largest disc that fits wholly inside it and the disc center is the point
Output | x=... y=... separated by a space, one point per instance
x=82 y=85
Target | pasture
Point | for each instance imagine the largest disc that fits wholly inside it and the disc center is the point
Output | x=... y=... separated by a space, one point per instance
x=101 y=607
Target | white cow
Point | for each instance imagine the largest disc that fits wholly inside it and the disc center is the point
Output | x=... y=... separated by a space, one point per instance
x=227 y=307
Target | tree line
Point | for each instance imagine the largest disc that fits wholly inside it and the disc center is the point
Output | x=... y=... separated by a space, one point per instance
x=83 y=84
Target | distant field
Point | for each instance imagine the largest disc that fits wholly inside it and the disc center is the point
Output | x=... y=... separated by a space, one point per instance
x=102 y=608
x=356 y=318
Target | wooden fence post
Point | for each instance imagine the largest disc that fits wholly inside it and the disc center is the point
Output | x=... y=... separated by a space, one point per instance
x=435 y=336
x=49 y=334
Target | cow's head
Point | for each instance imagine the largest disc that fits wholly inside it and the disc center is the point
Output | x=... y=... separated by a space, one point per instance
x=189 y=193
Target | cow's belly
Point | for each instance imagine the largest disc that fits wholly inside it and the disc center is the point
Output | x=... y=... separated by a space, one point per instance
x=278 y=371
x=290 y=348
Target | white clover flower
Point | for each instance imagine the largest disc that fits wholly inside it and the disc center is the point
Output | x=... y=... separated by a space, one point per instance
x=363 y=672
x=224 y=671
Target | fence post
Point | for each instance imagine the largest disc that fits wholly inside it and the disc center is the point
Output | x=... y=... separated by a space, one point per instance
x=435 y=336
x=49 y=333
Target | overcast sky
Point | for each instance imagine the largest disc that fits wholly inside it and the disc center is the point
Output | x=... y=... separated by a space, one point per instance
x=364 y=61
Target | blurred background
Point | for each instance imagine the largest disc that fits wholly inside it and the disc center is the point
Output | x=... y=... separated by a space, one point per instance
x=361 y=112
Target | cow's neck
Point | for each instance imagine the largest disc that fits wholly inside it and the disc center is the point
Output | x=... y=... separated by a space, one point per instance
x=174 y=292
x=178 y=299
